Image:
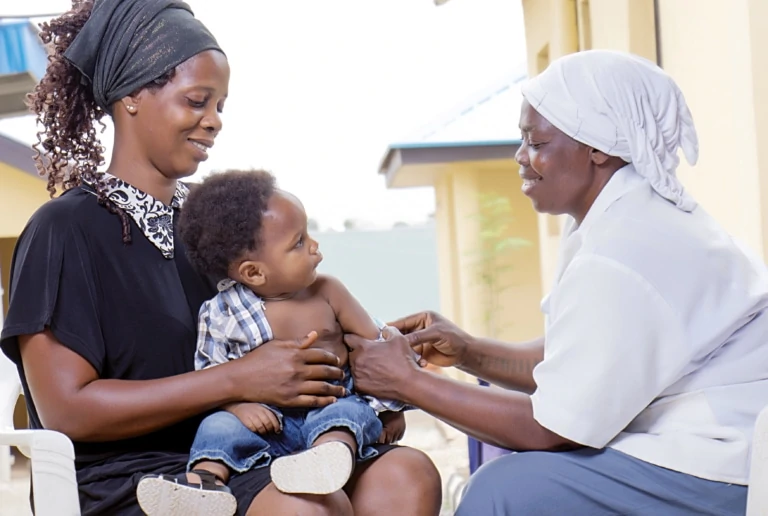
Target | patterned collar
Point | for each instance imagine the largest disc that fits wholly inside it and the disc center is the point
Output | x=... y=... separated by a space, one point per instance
x=154 y=218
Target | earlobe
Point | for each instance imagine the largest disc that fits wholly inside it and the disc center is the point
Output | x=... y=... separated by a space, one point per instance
x=599 y=158
x=130 y=104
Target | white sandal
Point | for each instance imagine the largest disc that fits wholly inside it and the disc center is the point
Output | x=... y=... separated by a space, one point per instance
x=320 y=470
x=166 y=495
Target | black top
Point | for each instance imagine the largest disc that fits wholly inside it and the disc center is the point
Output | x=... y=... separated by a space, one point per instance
x=130 y=312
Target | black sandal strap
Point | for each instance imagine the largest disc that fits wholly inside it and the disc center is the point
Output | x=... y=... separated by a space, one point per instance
x=207 y=479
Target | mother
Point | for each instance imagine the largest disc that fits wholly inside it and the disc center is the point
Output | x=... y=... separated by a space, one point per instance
x=103 y=302
x=642 y=396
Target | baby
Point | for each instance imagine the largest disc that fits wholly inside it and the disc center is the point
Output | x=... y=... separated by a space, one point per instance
x=239 y=226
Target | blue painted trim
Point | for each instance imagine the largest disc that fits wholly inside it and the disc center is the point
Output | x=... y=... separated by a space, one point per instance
x=21 y=51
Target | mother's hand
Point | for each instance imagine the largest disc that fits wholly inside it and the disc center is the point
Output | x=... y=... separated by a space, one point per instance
x=435 y=338
x=289 y=374
x=381 y=368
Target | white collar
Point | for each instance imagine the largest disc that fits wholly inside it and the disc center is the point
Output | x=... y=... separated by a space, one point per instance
x=623 y=181
x=154 y=218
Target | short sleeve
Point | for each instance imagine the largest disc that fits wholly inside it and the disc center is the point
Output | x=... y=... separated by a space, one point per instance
x=230 y=325
x=613 y=345
x=53 y=284
x=212 y=342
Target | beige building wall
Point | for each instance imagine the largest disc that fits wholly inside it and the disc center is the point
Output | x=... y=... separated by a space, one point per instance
x=20 y=195
x=519 y=302
x=720 y=65
x=447 y=250
x=627 y=25
x=6 y=253
x=464 y=296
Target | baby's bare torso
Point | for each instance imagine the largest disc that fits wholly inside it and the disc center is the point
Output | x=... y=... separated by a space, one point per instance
x=308 y=311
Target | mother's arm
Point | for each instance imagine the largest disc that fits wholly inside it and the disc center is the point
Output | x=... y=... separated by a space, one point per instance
x=71 y=398
x=500 y=417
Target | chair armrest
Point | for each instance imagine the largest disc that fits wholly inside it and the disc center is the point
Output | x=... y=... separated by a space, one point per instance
x=53 y=469
x=757 y=497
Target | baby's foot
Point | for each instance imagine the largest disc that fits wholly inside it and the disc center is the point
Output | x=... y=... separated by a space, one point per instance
x=322 y=469
x=198 y=493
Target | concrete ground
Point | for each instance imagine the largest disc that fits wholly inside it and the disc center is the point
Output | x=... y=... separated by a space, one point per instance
x=447 y=448
x=14 y=497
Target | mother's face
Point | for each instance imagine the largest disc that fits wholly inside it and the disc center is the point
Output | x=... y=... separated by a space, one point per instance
x=176 y=124
x=557 y=171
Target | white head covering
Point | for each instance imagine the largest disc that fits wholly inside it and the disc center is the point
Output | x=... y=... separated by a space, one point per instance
x=622 y=105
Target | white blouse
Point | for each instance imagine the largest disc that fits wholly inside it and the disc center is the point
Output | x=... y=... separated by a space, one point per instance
x=656 y=336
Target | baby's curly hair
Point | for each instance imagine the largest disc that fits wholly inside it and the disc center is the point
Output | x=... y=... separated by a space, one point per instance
x=221 y=218
x=68 y=150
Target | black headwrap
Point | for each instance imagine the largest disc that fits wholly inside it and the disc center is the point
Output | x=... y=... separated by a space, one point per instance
x=126 y=44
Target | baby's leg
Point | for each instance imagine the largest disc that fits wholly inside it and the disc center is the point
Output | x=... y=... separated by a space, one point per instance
x=334 y=437
x=224 y=445
x=350 y=420
x=338 y=435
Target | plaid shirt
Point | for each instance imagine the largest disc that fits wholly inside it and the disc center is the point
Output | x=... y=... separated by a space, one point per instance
x=234 y=323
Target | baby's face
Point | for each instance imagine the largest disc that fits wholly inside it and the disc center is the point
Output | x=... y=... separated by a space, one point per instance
x=289 y=254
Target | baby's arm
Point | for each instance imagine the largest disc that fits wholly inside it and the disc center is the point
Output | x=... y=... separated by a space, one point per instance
x=349 y=312
x=354 y=319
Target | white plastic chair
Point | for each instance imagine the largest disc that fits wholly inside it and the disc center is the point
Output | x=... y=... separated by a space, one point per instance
x=757 y=499
x=51 y=453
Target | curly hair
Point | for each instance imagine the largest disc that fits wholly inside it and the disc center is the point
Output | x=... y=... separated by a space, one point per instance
x=222 y=218
x=68 y=150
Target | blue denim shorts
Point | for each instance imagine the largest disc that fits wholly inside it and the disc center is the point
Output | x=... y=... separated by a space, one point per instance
x=221 y=437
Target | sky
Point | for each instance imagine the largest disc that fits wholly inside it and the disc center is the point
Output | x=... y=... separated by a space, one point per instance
x=319 y=89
